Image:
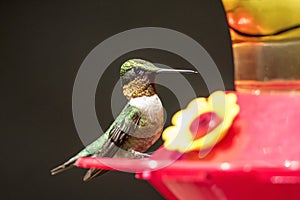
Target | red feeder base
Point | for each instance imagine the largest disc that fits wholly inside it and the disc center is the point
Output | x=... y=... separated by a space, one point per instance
x=258 y=158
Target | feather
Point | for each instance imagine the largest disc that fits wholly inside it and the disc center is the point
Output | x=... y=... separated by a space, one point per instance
x=63 y=167
x=109 y=143
x=92 y=173
x=117 y=137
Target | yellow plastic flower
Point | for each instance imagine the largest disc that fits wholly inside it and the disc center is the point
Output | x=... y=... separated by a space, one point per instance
x=202 y=124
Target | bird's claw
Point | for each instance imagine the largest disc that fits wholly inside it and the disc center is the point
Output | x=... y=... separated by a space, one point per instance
x=138 y=155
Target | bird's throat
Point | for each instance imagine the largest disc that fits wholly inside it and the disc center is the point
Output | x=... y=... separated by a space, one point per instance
x=139 y=87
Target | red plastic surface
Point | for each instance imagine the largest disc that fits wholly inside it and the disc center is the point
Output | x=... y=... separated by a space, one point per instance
x=258 y=159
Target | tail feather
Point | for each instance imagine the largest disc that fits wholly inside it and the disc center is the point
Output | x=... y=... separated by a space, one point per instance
x=63 y=167
x=92 y=173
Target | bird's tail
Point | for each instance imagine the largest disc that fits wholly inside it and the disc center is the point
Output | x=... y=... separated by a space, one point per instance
x=63 y=167
x=92 y=173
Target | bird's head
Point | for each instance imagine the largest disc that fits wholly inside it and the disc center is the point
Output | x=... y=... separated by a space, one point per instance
x=137 y=69
x=138 y=77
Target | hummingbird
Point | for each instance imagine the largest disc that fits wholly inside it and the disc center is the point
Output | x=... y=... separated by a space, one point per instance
x=138 y=126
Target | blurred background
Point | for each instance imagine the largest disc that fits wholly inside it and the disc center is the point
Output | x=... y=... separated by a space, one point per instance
x=43 y=44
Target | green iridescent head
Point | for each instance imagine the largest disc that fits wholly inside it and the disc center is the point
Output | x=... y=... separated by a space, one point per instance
x=141 y=69
x=134 y=68
x=135 y=64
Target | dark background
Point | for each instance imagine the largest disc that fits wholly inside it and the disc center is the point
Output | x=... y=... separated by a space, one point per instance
x=43 y=44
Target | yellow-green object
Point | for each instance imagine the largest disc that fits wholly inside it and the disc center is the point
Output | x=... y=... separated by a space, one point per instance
x=180 y=137
x=266 y=44
x=263 y=19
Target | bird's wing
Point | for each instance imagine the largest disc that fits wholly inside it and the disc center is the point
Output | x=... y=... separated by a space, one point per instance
x=126 y=123
x=108 y=143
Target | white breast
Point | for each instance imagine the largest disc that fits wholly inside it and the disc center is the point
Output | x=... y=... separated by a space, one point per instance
x=152 y=109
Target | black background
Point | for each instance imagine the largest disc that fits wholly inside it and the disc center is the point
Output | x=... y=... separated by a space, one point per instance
x=43 y=44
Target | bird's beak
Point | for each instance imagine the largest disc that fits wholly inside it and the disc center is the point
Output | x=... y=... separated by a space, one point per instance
x=176 y=71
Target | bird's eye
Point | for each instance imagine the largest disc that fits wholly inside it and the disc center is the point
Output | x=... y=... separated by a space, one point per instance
x=136 y=70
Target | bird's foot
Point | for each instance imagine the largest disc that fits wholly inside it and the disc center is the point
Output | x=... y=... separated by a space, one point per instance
x=138 y=155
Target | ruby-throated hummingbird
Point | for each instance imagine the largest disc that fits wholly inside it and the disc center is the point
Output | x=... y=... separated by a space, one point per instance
x=139 y=124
